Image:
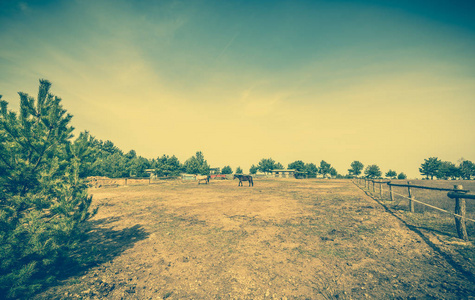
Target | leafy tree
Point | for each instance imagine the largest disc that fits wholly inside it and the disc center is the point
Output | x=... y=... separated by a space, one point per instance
x=131 y=155
x=297 y=165
x=197 y=164
x=109 y=147
x=447 y=170
x=430 y=167
x=252 y=170
x=391 y=174
x=278 y=166
x=113 y=166
x=402 y=176
x=268 y=164
x=85 y=146
x=311 y=169
x=227 y=170
x=324 y=168
x=467 y=169
x=356 y=168
x=238 y=170
x=372 y=171
x=43 y=201
x=333 y=172
x=167 y=166
x=137 y=166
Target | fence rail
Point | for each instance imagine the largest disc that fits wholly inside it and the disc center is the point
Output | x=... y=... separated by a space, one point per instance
x=425 y=187
x=457 y=193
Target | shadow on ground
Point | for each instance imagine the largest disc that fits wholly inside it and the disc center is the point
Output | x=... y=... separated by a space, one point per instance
x=101 y=244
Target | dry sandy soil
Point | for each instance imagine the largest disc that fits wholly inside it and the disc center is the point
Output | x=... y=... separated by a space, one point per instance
x=281 y=239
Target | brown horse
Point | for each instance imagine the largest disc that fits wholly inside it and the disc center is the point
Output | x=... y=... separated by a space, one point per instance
x=244 y=178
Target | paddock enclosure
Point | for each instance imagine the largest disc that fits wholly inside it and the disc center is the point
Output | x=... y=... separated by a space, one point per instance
x=281 y=239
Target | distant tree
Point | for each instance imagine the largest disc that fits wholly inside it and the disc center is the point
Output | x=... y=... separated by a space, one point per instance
x=43 y=201
x=391 y=174
x=167 y=166
x=324 y=168
x=401 y=176
x=311 y=169
x=297 y=165
x=333 y=172
x=131 y=155
x=238 y=170
x=109 y=147
x=278 y=166
x=430 y=167
x=467 y=169
x=372 y=171
x=447 y=170
x=86 y=146
x=113 y=165
x=266 y=165
x=197 y=164
x=226 y=170
x=253 y=169
x=356 y=168
x=137 y=166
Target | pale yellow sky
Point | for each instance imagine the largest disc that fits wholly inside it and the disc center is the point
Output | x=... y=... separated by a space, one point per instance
x=361 y=82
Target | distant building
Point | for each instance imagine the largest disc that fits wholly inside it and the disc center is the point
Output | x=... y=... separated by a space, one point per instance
x=188 y=177
x=151 y=173
x=284 y=173
x=260 y=174
x=301 y=175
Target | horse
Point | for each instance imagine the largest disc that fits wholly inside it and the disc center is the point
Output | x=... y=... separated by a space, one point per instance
x=204 y=178
x=244 y=178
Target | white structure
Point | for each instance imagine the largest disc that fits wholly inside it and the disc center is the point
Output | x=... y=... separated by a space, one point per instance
x=283 y=173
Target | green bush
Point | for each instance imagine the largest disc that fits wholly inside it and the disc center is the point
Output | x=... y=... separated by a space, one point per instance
x=43 y=201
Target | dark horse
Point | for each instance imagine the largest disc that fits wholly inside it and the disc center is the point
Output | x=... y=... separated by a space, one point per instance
x=244 y=178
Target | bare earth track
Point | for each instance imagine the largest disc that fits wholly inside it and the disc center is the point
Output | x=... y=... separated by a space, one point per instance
x=281 y=239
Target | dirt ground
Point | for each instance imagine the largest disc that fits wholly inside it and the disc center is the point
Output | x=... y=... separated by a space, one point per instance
x=281 y=239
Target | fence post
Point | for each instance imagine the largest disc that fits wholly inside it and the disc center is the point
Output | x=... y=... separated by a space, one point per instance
x=460 y=210
x=391 y=193
x=373 y=186
x=380 y=190
x=411 y=203
x=125 y=181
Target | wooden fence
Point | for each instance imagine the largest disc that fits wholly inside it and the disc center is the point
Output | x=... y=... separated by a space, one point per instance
x=103 y=182
x=457 y=193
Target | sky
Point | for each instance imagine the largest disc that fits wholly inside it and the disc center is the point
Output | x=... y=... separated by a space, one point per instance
x=383 y=82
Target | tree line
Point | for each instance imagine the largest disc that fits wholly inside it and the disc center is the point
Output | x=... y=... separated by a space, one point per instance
x=434 y=167
x=372 y=171
x=106 y=159
x=267 y=165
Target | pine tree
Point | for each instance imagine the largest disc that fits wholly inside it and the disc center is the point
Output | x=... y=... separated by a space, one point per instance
x=430 y=167
x=253 y=169
x=197 y=164
x=391 y=174
x=372 y=171
x=43 y=201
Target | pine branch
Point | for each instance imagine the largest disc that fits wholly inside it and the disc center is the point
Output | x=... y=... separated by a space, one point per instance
x=6 y=162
